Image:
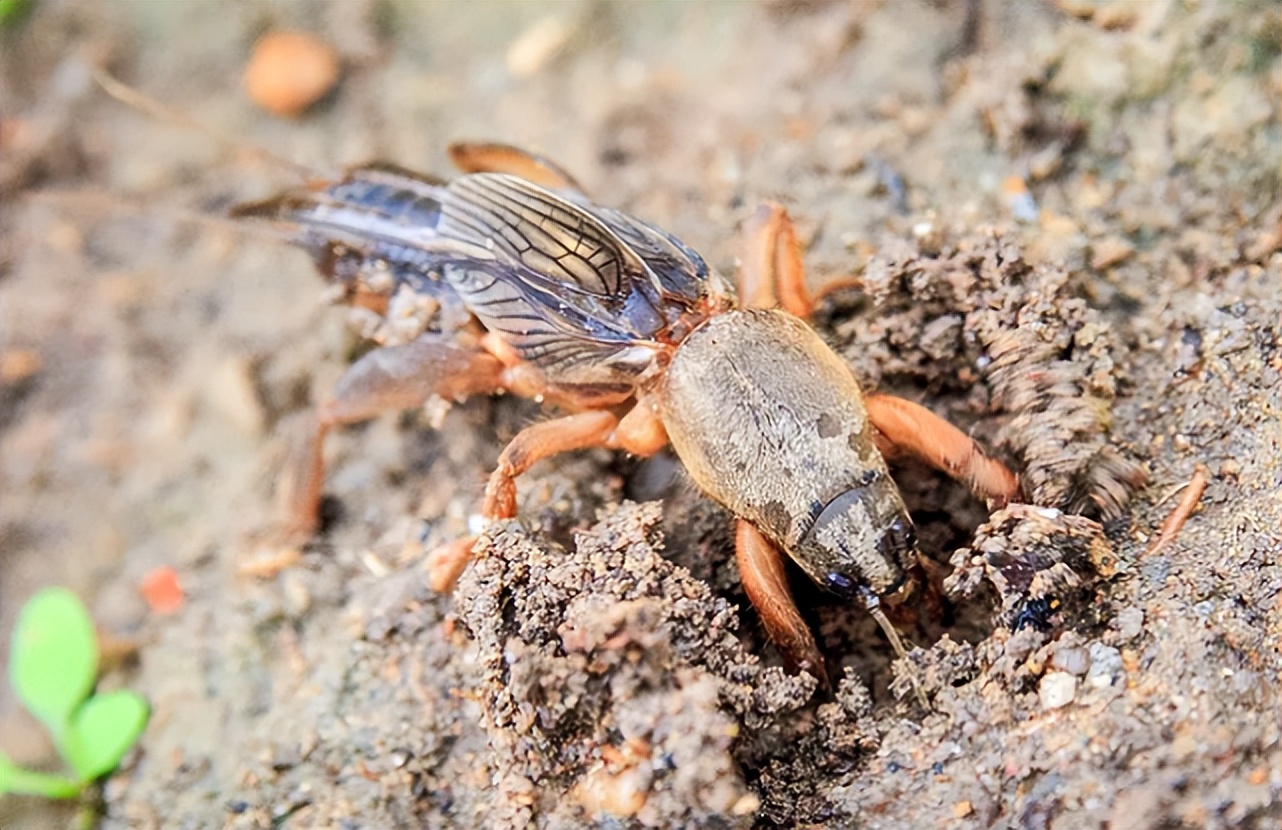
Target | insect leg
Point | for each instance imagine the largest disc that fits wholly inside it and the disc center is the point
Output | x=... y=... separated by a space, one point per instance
x=640 y=432
x=761 y=568
x=906 y=427
x=385 y=380
x=772 y=273
x=479 y=157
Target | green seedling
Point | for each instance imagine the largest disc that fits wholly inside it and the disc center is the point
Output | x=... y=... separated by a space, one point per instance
x=13 y=12
x=53 y=666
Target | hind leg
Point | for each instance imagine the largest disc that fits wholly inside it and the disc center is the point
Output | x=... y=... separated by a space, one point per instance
x=476 y=157
x=388 y=379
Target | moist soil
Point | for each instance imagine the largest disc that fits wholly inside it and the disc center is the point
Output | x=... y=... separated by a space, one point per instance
x=1056 y=224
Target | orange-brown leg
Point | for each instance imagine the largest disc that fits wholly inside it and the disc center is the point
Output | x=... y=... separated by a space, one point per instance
x=773 y=273
x=446 y=562
x=906 y=427
x=475 y=157
x=537 y=442
x=765 y=578
x=640 y=432
x=384 y=380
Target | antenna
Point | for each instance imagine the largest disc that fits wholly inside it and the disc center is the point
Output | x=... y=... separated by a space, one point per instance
x=147 y=105
x=873 y=605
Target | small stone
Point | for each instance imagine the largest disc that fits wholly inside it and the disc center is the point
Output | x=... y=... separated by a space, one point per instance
x=962 y=809
x=1073 y=660
x=1130 y=622
x=538 y=45
x=1057 y=689
x=1109 y=252
x=290 y=71
x=1106 y=666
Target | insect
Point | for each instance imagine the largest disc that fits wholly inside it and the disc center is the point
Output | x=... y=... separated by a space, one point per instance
x=508 y=278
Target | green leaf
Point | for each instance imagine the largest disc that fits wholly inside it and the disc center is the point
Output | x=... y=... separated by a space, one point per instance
x=14 y=779
x=54 y=659
x=102 y=731
x=13 y=12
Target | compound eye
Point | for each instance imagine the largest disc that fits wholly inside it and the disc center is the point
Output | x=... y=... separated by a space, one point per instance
x=899 y=539
x=841 y=585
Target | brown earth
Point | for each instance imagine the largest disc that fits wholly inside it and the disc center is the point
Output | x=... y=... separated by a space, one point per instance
x=1065 y=223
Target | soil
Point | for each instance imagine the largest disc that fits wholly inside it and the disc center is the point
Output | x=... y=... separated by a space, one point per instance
x=1063 y=222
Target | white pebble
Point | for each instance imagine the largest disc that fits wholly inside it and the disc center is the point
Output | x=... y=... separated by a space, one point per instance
x=1057 y=689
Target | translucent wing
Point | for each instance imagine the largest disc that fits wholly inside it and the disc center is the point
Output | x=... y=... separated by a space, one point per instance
x=580 y=290
x=559 y=241
x=378 y=221
x=680 y=270
x=559 y=277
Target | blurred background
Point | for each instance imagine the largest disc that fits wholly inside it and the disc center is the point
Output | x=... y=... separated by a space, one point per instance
x=150 y=351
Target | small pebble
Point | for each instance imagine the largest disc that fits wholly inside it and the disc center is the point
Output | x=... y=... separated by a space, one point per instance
x=1057 y=689
x=18 y=365
x=290 y=71
x=538 y=46
x=1073 y=660
x=1020 y=201
x=1110 y=251
x=1106 y=666
x=1130 y=622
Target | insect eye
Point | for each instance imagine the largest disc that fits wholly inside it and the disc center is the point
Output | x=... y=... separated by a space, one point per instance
x=900 y=538
x=840 y=584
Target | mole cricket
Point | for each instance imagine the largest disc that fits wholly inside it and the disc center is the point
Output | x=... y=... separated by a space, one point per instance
x=510 y=279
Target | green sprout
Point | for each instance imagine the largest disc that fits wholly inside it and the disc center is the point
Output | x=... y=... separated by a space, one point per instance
x=53 y=666
x=13 y=12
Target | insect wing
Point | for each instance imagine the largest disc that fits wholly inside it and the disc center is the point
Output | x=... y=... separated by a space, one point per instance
x=557 y=281
x=377 y=218
x=682 y=273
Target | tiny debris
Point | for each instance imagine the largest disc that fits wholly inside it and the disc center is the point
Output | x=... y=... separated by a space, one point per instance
x=620 y=784
x=962 y=809
x=1106 y=666
x=537 y=46
x=1188 y=503
x=161 y=590
x=747 y=804
x=1057 y=690
x=1074 y=660
x=1023 y=207
x=1109 y=252
x=289 y=72
x=16 y=365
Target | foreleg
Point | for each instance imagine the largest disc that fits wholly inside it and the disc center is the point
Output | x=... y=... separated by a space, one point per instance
x=906 y=427
x=765 y=579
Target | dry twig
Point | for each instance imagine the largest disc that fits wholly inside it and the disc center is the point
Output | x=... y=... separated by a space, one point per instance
x=1188 y=503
